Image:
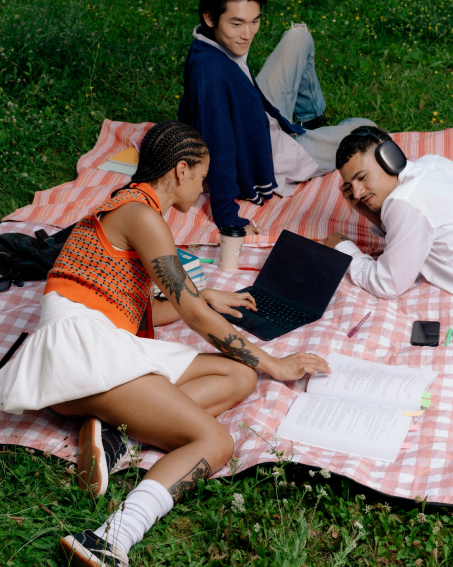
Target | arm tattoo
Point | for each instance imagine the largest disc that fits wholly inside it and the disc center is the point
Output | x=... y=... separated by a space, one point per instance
x=173 y=276
x=343 y=238
x=241 y=354
x=190 y=480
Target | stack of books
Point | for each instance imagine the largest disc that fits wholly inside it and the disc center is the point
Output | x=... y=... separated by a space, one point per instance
x=191 y=264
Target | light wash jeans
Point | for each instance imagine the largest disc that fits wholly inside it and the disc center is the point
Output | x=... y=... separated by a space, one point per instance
x=288 y=80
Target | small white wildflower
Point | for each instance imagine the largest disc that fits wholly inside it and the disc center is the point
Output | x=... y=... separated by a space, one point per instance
x=368 y=509
x=277 y=472
x=308 y=488
x=293 y=484
x=387 y=507
x=256 y=528
x=312 y=473
x=334 y=21
x=436 y=530
x=277 y=439
x=362 y=496
x=322 y=492
x=358 y=525
x=241 y=424
x=150 y=68
x=238 y=503
x=44 y=158
x=418 y=499
x=325 y=473
x=346 y=23
x=24 y=174
x=421 y=518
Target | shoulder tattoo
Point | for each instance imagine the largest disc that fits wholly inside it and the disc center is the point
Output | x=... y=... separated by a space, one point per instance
x=173 y=276
x=240 y=354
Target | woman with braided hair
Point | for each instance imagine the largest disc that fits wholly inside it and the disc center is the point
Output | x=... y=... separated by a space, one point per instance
x=85 y=358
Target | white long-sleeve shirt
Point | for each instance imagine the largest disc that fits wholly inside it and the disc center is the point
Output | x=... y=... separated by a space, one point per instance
x=418 y=218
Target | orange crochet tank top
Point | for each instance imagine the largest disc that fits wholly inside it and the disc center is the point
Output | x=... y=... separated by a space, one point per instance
x=91 y=271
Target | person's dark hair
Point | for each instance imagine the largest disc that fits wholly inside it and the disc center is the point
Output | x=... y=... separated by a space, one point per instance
x=350 y=145
x=164 y=146
x=217 y=8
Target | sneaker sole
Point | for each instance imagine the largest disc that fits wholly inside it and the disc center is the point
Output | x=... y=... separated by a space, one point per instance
x=77 y=555
x=92 y=466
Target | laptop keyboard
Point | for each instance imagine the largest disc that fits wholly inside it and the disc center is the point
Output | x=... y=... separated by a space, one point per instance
x=277 y=311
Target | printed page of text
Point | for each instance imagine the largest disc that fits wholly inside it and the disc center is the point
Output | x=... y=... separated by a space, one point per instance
x=356 y=379
x=355 y=428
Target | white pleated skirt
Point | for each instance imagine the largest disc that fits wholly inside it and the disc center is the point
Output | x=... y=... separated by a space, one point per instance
x=77 y=352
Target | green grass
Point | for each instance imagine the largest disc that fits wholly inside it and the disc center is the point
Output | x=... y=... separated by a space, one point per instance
x=275 y=516
x=65 y=65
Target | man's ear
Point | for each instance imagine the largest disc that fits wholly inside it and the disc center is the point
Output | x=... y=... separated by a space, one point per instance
x=209 y=19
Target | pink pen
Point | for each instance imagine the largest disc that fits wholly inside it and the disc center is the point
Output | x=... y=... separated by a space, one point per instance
x=354 y=330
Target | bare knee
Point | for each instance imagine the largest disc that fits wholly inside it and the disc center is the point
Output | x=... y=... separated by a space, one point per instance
x=221 y=445
x=226 y=447
x=247 y=382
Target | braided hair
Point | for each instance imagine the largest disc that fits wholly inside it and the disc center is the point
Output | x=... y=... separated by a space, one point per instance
x=164 y=146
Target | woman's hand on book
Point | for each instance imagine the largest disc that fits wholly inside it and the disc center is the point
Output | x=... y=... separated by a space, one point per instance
x=226 y=301
x=295 y=366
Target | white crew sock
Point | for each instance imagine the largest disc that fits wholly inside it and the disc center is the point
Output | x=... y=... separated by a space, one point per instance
x=135 y=516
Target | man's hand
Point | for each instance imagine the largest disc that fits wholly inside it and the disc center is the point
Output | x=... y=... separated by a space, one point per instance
x=225 y=301
x=252 y=230
x=360 y=207
x=334 y=239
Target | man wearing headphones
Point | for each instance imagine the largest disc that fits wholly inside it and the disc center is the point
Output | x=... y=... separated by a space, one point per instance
x=410 y=205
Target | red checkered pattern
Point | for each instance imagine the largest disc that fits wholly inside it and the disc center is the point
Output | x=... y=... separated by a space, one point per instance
x=316 y=210
x=425 y=469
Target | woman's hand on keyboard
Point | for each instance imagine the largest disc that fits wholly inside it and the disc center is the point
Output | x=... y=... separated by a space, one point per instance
x=226 y=301
x=295 y=366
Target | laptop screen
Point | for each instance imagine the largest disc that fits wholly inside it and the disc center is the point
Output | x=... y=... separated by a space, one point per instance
x=303 y=273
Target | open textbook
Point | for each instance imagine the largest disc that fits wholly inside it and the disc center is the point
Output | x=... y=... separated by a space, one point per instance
x=362 y=408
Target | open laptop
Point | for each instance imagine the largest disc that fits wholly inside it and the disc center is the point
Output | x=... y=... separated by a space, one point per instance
x=294 y=287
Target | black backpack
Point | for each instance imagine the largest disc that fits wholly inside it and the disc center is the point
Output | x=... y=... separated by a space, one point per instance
x=24 y=258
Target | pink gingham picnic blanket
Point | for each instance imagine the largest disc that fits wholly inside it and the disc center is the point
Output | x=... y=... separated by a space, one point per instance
x=425 y=469
x=316 y=210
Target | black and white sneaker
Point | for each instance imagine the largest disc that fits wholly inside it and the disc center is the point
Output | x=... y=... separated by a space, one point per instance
x=102 y=451
x=89 y=550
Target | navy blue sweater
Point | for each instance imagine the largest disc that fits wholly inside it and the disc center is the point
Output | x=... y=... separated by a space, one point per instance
x=229 y=112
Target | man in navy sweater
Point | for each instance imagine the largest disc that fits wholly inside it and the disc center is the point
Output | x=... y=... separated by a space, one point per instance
x=256 y=150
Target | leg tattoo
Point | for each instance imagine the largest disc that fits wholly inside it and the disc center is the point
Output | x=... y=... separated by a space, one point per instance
x=190 y=480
